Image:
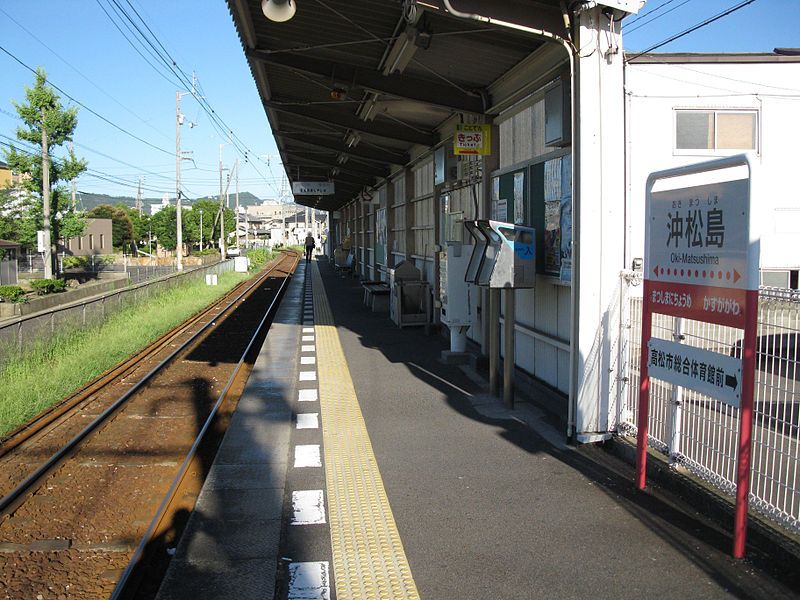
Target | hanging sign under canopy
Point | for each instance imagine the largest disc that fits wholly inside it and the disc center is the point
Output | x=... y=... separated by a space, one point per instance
x=312 y=188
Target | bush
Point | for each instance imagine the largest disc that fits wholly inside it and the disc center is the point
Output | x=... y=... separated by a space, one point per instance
x=47 y=286
x=258 y=257
x=12 y=293
x=206 y=252
x=86 y=262
x=75 y=262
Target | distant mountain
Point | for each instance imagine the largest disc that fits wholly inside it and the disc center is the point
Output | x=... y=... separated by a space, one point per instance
x=88 y=200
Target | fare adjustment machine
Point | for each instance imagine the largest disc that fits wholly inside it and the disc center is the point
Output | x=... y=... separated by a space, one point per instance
x=503 y=257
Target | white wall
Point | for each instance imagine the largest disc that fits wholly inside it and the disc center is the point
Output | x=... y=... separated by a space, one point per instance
x=654 y=91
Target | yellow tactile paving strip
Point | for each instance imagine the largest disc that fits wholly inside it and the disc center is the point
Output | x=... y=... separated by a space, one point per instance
x=368 y=556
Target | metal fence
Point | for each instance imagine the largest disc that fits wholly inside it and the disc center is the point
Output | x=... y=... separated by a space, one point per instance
x=8 y=272
x=19 y=333
x=701 y=433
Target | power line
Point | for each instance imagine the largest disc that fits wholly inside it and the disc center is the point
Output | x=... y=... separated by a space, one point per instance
x=116 y=25
x=692 y=28
x=78 y=71
x=656 y=18
x=183 y=78
x=78 y=102
x=646 y=13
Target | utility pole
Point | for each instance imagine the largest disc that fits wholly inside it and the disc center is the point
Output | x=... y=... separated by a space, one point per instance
x=74 y=182
x=178 y=158
x=178 y=216
x=48 y=252
x=222 y=250
x=237 y=202
x=139 y=197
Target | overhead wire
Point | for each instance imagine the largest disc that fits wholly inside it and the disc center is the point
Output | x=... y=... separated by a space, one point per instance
x=691 y=29
x=647 y=13
x=79 y=72
x=82 y=105
x=655 y=18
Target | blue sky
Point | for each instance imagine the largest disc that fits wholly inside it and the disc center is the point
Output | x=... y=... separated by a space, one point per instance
x=87 y=57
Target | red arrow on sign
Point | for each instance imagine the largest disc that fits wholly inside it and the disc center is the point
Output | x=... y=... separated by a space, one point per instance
x=736 y=276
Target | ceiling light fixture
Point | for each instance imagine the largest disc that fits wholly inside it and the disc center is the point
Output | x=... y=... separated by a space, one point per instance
x=279 y=11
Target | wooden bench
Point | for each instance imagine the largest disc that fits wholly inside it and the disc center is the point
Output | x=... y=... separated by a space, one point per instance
x=376 y=295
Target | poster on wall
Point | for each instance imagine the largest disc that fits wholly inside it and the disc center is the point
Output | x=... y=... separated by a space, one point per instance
x=502 y=210
x=566 y=218
x=495 y=197
x=552 y=217
x=380 y=243
x=519 y=198
x=552 y=238
x=552 y=180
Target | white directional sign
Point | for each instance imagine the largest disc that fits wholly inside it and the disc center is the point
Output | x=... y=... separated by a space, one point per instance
x=700 y=235
x=312 y=188
x=709 y=373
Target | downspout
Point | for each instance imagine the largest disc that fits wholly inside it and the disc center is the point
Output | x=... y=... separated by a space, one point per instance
x=575 y=140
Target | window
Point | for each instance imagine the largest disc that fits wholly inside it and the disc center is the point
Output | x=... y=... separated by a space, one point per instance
x=716 y=130
x=102 y=240
x=91 y=241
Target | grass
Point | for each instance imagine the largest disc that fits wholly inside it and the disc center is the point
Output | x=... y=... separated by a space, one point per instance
x=36 y=379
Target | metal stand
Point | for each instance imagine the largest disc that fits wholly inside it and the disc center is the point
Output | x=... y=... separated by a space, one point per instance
x=508 y=348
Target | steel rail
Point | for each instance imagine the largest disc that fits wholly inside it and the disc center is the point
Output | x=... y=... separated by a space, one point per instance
x=14 y=498
x=119 y=591
x=27 y=430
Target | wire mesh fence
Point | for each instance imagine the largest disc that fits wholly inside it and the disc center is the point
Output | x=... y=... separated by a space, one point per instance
x=700 y=432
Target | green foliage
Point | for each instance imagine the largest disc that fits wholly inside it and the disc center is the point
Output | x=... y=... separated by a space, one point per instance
x=12 y=293
x=43 y=112
x=70 y=224
x=121 y=224
x=47 y=286
x=205 y=252
x=164 y=224
x=85 y=262
x=259 y=257
x=141 y=225
x=191 y=222
x=33 y=380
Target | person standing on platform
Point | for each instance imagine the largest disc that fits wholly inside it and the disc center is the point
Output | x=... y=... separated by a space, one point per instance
x=310 y=244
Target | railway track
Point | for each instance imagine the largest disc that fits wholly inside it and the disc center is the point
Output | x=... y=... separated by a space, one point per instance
x=96 y=491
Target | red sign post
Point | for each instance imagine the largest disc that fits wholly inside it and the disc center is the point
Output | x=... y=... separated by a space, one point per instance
x=701 y=264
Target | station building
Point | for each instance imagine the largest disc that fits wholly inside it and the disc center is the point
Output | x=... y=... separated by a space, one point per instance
x=426 y=116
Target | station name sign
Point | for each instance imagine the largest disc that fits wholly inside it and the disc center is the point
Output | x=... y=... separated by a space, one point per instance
x=312 y=188
x=698 y=252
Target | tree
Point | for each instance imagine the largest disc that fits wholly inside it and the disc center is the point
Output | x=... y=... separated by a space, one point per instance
x=164 y=223
x=47 y=125
x=141 y=226
x=121 y=224
x=192 y=222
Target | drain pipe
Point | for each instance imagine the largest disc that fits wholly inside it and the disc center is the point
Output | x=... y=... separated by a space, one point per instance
x=575 y=140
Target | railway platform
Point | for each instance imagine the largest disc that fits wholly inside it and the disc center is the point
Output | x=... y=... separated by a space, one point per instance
x=359 y=465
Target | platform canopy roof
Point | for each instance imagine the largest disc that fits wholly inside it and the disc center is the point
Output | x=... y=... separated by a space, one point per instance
x=350 y=87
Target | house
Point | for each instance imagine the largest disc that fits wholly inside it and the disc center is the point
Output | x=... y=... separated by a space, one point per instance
x=686 y=108
x=8 y=178
x=97 y=239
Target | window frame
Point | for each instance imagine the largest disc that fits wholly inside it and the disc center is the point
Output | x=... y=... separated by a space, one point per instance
x=715 y=151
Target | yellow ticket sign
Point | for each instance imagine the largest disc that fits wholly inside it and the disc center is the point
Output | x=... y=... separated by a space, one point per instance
x=473 y=139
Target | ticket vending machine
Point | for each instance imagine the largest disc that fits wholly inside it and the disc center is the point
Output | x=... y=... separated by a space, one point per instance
x=504 y=255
